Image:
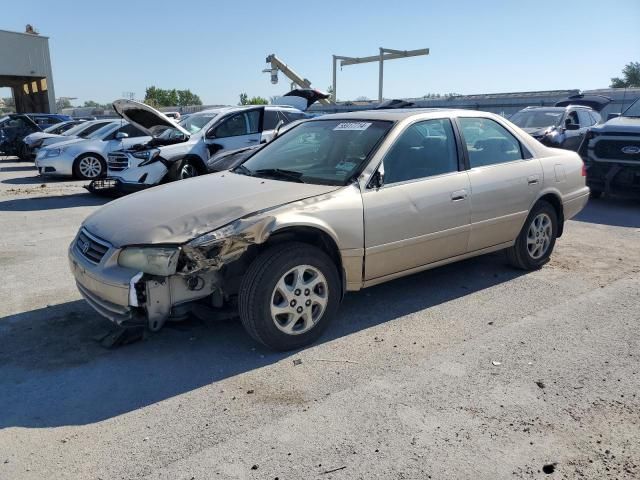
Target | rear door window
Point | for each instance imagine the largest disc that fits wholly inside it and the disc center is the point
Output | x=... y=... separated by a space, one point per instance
x=488 y=142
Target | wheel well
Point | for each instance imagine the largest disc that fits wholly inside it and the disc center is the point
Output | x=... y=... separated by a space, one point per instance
x=197 y=162
x=312 y=236
x=556 y=203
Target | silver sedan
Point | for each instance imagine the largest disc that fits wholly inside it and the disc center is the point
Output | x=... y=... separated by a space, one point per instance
x=335 y=204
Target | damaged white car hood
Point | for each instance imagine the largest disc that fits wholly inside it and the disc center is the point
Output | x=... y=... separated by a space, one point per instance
x=178 y=212
x=148 y=119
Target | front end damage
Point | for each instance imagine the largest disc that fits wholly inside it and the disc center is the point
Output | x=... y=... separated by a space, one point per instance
x=207 y=275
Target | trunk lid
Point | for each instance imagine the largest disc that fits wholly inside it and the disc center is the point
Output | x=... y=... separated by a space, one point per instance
x=597 y=102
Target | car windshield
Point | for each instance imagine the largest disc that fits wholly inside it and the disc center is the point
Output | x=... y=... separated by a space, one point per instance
x=537 y=118
x=101 y=132
x=55 y=127
x=633 y=110
x=328 y=152
x=76 y=129
x=192 y=124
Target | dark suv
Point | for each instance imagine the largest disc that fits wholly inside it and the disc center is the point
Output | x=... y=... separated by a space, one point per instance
x=15 y=126
x=611 y=153
x=561 y=126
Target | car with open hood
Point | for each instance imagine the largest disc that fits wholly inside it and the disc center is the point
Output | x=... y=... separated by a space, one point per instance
x=86 y=158
x=59 y=133
x=565 y=124
x=15 y=126
x=611 y=153
x=183 y=150
x=335 y=204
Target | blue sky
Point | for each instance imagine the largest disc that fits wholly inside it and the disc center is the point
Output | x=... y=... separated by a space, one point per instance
x=217 y=49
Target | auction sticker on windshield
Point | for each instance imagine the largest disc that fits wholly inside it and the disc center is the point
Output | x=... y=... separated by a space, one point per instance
x=358 y=126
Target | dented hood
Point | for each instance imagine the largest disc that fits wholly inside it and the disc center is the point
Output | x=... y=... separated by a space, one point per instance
x=148 y=119
x=178 y=212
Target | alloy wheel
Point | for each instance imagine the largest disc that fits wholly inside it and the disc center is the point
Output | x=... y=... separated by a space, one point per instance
x=188 y=171
x=90 y=167
x=299 y=299
x=539 y=236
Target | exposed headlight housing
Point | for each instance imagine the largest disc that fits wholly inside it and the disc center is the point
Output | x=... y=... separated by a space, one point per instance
x=161 y=261
x=148 y=156
x=214 y=237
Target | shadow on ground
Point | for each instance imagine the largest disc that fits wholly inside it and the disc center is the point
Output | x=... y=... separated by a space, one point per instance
x=18 y=169
x=34 y=179
x=53 y=202
x=53 y=372
x=615 y=212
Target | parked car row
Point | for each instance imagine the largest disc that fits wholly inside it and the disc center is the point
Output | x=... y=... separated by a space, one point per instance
x=610 y=150
x=329 y=205
x=15 y=126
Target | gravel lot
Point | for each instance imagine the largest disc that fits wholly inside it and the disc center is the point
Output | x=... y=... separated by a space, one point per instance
x=472 y=370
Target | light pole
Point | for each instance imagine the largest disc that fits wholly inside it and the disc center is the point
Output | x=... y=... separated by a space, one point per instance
x=383 y=54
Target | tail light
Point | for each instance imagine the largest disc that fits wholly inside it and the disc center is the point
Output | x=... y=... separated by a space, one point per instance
x=584 y=170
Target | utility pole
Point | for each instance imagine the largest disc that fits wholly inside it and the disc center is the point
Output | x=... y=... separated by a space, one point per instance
x=383 y=54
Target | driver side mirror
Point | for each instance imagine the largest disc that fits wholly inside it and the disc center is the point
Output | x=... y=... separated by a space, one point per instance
x=377 y=180
x=121 y=135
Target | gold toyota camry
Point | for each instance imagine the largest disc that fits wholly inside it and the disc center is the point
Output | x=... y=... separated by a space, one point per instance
x=335 y=204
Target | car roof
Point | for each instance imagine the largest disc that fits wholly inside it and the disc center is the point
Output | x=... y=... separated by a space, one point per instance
x=401 y=113
x=244 y=107
x=559 y=109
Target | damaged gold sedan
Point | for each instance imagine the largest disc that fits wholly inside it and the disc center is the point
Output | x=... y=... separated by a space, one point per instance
x=335 y=204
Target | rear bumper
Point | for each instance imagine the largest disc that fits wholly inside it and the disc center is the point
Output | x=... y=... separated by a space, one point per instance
x=573 y=206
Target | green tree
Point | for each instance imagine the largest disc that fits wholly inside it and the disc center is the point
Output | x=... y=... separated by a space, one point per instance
x=245 y=100
x=186 y=97
x=159 y=97
x=630 y=76
x=92 y=104
x=62 y=103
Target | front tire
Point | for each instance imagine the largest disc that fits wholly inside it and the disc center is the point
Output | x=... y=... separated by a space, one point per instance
x=183 y=169
x=289 y=295
x=537 y=238
x=89 y=167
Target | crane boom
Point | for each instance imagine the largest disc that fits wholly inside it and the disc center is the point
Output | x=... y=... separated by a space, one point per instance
x=279 y=65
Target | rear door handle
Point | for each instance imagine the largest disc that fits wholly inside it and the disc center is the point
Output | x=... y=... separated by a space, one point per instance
x=533 y=180
x=252 y=141
x=458 y=195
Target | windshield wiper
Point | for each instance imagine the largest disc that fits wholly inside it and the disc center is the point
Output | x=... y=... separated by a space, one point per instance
x=281 y=173
x=242 y=170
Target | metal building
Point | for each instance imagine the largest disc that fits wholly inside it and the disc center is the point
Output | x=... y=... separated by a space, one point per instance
x=25 y=67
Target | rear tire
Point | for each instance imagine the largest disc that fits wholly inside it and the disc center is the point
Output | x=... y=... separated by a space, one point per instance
x=289 y=295
x=537 y=238
x=89 y=167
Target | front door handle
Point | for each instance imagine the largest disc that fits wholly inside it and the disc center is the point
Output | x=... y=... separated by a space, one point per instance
x=533 y=180
x=252 y=141
x=458 y=195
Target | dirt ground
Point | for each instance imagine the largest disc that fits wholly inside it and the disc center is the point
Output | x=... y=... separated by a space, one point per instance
x=472 y=370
